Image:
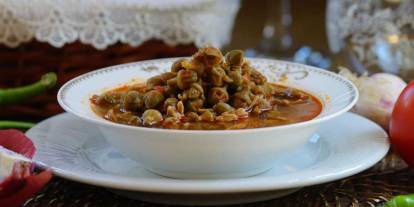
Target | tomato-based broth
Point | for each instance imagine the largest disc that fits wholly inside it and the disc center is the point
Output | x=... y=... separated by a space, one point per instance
x=280 y=114
x=208 y=92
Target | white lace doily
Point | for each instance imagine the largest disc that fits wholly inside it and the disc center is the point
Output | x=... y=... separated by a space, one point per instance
x=104 y=22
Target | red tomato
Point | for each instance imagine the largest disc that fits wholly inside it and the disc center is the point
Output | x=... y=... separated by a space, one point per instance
x=402 y=124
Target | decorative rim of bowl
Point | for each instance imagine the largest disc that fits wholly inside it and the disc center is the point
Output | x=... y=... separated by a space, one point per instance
x=354 y=95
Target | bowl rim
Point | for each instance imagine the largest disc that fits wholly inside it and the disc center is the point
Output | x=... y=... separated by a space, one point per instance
x=105 y=122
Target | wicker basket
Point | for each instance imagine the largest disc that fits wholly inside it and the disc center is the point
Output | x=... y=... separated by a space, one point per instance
x=25 y=64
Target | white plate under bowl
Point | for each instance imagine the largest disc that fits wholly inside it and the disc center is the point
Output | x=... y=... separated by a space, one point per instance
x=75 y=149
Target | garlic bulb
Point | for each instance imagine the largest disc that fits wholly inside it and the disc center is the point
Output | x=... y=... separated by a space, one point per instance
x=378 y=94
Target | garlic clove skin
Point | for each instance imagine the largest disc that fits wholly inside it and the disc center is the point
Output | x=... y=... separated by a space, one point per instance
x=378 y=94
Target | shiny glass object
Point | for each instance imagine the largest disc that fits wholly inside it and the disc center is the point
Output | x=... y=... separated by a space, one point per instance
x=373 y=35
x=277 y=39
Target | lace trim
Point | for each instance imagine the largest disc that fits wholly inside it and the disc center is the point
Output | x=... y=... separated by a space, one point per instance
x=101 y=24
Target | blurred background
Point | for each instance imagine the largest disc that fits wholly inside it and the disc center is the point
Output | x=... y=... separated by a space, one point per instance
x=282 y=29
x=307 y=27
x=364 y=36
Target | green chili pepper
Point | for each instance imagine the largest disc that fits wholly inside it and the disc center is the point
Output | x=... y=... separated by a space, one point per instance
x=401 y=201
x=15 y=95
x=15 y=124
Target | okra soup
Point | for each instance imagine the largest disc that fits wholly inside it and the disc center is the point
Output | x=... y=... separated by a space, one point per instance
x=207 y=92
